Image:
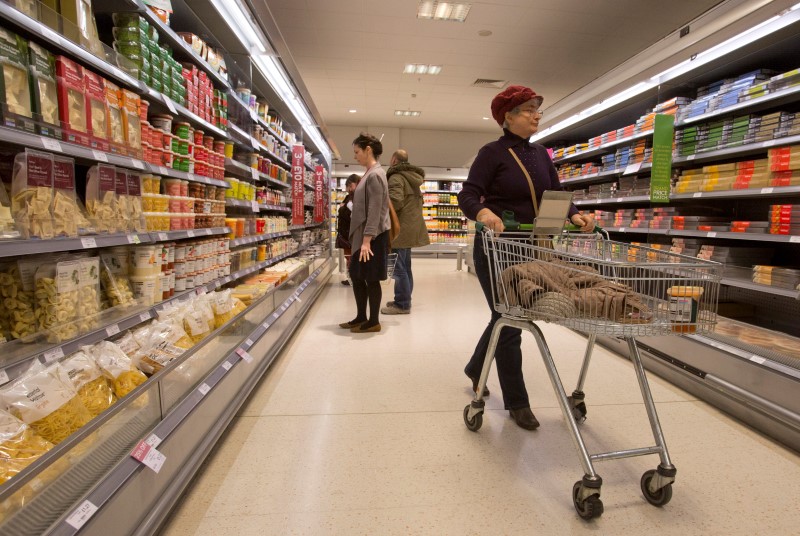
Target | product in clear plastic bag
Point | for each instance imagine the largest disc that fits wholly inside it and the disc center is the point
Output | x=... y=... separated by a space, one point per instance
x=69 y=217
x=101 y=199
x=8 y=228
x=117 y=367
x=196 y=325
x=114 y=277
x=92 y=386
x=17 y=315
x=19 y=446
x=57 y=298
x=44 y=399
x=123 y=206
x=160 y=343
x=32 y=194
x=88 y=294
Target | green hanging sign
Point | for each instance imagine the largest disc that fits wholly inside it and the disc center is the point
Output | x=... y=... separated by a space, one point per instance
x=661 y=173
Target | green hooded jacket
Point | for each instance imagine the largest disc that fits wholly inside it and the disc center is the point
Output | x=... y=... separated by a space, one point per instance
x=404 y=191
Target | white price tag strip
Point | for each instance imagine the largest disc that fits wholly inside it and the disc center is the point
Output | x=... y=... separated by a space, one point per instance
x=149 y=456
x=100 y=156
x=619 y=200
x=201 y=290
x=145 y=316
x=112 y=330
x=190 y=233
x=757 y=359
x=163 y=170
x=254 y=173
x=138 y=164
x=241 y=352
x=622 y=229
x=227 y=365
x=51 y=144
x=208 y=231
x=248 y=342
x=204 y=389
x=154 y=441
x=170 y=105
x=52 y=355
x=163 y=236
x=711 y=234
x=254 y=206
x=794 y=239
x=89 y=242
x=190 y=176
x=766 y=190
x=697 y=194
x=690 y=157
x=3 y=377
x=298 y=299
x=81 y=515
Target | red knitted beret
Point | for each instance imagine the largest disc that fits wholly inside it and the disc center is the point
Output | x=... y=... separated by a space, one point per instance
x=510 y=98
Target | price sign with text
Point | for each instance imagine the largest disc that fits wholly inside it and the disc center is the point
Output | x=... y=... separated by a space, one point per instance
x=319 y=197
x=298 y=188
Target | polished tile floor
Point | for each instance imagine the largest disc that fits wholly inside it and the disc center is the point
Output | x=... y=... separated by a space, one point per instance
x=363 y=434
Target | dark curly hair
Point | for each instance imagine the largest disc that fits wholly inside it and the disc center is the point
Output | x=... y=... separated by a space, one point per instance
x=365 y=140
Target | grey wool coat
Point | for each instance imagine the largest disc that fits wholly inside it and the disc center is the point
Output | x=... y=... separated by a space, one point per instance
x=404 y=191
x=370 y=207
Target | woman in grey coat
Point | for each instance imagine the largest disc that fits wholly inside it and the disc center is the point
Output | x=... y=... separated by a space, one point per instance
x=369 y=236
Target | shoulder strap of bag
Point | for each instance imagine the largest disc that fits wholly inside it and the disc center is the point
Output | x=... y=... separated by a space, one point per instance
x=530 y=182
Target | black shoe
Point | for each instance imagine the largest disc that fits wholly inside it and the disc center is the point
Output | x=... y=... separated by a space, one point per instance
x=475 y=386
x=346 y=283
x=524 y=418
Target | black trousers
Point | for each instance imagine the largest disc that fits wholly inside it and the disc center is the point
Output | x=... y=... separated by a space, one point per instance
x=508 y=354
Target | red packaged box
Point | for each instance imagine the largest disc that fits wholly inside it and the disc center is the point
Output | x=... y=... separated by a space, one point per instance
x=71 y=101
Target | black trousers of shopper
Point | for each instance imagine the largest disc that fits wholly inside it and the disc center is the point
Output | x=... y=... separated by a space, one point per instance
x=367 y=292
x=508 y=355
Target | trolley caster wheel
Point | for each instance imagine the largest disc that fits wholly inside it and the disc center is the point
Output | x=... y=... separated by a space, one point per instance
x=578 y=409
x=662 y=496
x=475 y=423
x=590 y=507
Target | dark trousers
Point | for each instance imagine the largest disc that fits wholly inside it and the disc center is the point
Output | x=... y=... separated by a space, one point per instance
x=508 y=354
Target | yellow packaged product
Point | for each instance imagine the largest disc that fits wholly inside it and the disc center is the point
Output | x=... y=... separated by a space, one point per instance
x=17 y=314
x=93 y=388
x=19 y=446
x=45 y=399
x=117 y=367
x=88 y=294
x=196 y=325
x=222 y=305
x=160 y=343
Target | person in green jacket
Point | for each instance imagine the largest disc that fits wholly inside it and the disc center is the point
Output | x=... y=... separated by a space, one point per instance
x=405 y=181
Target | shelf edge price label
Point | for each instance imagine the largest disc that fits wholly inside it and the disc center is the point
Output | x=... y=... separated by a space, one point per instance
x=170 y=105
x=134 y=239
x=227 y=365
x=88 y=242
x=4 y=377
x=145 y=316
x=254 y=206
x=766 y=190
x=757 y=359
x=712 y=234
x=51 y=144
x=163 y=236
x=138 y=164
x=81 y=515
x=190 y=233
x=153 y=440
x=200 y=291
x=191 y=176
x=622 y=229
x=794 y=239
x=254 y=173
x=246 y=357
x=208 y=231
x=100 y=156
x=148 y=456
x=204 y=389
x=112 y=330
x=697 y=194
x=52 y=355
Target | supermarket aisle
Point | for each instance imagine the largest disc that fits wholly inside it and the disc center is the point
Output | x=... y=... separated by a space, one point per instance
x=364 y=435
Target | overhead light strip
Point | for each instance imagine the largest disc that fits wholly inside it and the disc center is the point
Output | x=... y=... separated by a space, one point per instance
x=421 y=68
x=762 y=29
x=407 y=113
x=444 y=11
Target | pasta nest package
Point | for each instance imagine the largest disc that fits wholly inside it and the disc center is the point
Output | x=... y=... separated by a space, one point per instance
x=32 y=194
x=45 y=399
x=159 y=343
x=18 y=312
x=94 y=389
x=198 y=318
x=20 y=446
x=225 y=307
x=117 y=367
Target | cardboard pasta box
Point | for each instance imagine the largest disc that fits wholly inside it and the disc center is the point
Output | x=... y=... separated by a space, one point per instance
x=15 y=91
x=44 y=91
x=72 y=101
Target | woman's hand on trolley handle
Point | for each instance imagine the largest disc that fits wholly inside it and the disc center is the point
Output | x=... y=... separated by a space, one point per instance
x=366 y=249
x=584 y=221
x=490 y=220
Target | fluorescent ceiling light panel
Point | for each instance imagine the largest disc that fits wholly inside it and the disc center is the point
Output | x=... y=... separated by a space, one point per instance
x=407 y=113
x=421 y=68
x=447 y=11
x=238 y=20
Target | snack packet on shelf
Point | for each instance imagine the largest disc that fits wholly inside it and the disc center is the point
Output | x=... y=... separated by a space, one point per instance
x=44 y=399
x=32 y=194
x=117 y=367
x=92 y=386
x=20 y=446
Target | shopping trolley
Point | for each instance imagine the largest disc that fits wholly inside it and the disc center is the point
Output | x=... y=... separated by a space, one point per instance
x=391 y=260
x=598 y=287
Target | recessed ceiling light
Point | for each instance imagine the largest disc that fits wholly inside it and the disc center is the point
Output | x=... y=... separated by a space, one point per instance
x=448 y=11
x=485 y=118
x=485 y=33
x=352 y=111
x=421 y=68
x=407 y=113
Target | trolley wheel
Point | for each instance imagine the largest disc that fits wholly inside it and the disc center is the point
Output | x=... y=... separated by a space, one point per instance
x=578 y=409
x=590 y=507
x=661 y=496
x=475 y=423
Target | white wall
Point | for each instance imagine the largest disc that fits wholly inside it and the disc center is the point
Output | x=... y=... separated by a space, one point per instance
x=426 y=148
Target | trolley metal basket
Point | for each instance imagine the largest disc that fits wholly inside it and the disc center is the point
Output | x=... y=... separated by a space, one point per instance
x=599 y=287
x=391 y=260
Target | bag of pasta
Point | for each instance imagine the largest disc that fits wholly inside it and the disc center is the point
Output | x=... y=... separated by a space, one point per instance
x=45 y=399
x=114 y=278
x=32 y=194
x=162 y=342
x=17 y=314
x=196 y=324
x=117 y=367
x=88 y=294
x=222 y=304
x=101 y=199
x=8 y=229
x=57 y=298
x=69 y=216
x=93 y=387
x=134 y=202
x=19 y=446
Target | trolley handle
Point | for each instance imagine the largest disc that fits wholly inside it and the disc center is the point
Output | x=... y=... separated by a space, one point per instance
x=570 y=228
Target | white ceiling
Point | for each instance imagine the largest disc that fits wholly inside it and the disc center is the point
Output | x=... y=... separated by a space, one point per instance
x=350 y=53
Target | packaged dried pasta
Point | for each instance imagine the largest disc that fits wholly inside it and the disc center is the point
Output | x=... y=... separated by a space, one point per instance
x=161 y=342
x=135 y=211
x=44 y=399
x=195 y=324
x=19 y=446
x=117 y=367
x=57 y=298
x=8 y=228
x=123 y=206
x=32 y=194
x=114 y=277
x=222 y=304
x=115 y=126
x=71 y=100
x=101 y=198
x=17 y=315
x=131 y=121
x=69 y=216
x=96 y=108
x=93 y=388
x=88 y=294
x=44 y=90
x=15 y=89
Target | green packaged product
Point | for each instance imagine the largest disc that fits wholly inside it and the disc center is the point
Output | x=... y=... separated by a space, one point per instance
x=130 y=33
x=155 y=83
x=15 y=90
x=132 y=49
x=131 y=19
x=145 y=77
x=44 y=90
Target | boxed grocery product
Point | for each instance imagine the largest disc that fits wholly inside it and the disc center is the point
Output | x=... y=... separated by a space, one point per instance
x=71 y=101
x=131 y=122
x=78 y=24
x=115 y=125
x=32 y=194
x=784 y=158
x=69 y=215
x=15 y=91
x=101 y=198
x=131 y=20
x=97 y=109
x=44 y=91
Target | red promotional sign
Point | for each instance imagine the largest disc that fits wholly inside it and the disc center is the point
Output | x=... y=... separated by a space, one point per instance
x=298 y=188
x=319 y=198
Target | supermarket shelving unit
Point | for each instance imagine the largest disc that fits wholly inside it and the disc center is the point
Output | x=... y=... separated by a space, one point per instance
x=89 y=482
x=754 y=382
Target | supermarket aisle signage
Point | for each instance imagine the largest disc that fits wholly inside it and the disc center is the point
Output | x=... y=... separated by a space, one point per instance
x=298 y=188
x=319 y=201
x=662 y=158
